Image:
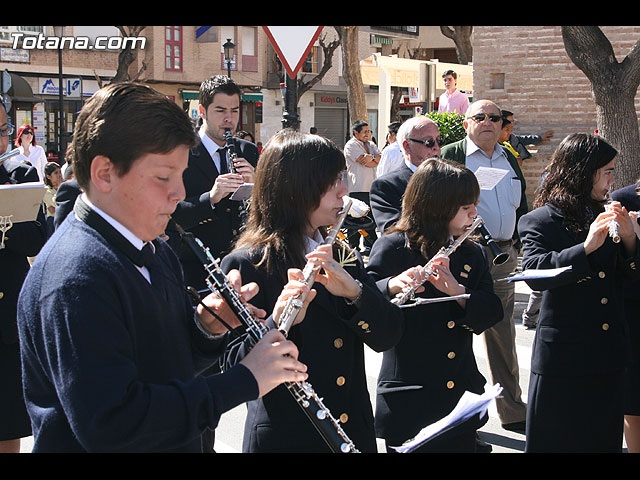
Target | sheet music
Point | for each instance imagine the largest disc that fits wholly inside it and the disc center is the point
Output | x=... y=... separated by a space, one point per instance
x=533 y=274
x=21 y=201
x=469 y=405
x=489 y=177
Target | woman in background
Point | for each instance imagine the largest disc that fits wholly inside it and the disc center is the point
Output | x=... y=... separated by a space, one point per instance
x=30 y=152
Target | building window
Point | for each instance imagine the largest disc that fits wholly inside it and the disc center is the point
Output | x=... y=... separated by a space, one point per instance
x=173 y=48
x=6 y=31
x=310 y=64
x=249 y=49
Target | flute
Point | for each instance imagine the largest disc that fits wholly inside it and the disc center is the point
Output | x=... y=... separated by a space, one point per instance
x=613 y=225
x=408 y=293
x=327 y=426
x=310 y=272
x=9 y=154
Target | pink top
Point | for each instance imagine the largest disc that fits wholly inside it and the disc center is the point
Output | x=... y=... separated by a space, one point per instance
x=456 y=102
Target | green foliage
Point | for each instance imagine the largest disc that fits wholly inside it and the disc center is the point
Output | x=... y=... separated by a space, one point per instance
x=449 y=125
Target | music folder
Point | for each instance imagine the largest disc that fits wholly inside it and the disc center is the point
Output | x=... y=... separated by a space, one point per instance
x=21 y=201
x=243 y=192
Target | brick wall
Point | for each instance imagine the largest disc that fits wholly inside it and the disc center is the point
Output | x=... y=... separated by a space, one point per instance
x=542 y=86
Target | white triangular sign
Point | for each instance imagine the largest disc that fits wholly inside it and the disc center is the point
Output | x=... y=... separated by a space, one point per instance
x=292 y=44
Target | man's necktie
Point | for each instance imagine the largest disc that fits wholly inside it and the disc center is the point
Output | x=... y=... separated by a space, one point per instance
x=224 y=167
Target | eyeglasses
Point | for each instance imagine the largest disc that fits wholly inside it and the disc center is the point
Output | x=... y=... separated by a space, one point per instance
x=27 y=132
x=480 y=117
x=5 y=132
x=430 y=143
x=342 y=178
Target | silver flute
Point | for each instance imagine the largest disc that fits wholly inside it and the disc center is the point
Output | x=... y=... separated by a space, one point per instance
x=310 y=272
x=409 y=292
x=613 y=224
x=9 y=154
x=328 y=427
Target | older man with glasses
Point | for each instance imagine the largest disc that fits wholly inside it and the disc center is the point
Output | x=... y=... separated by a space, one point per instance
x=502 y=202
x=419 y=139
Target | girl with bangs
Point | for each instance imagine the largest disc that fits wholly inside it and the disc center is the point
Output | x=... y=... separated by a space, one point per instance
x=425 y=374
x=298 y=193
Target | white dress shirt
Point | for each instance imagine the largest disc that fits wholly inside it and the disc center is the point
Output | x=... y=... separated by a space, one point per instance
x=212 y=147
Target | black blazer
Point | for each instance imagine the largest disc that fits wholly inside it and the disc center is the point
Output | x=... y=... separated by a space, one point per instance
x=581 y=327
x=386 y=196
x=216 y=227
x=22 y=240
x=65 y=200
x=331 y=342
x=424 y=375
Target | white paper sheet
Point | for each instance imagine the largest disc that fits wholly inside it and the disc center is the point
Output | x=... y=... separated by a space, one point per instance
x=469 y=405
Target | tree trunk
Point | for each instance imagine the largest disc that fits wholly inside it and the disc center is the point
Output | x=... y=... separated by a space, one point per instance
x=461 y=36
x=356 y=100
x=614 y=86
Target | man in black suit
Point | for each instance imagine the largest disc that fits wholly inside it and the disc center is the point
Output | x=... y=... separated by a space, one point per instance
x=419 y=139
x=207 y=210
x=22 y=240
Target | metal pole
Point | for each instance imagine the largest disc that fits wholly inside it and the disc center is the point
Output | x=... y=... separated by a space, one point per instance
x=61 y=147
x=290 y=114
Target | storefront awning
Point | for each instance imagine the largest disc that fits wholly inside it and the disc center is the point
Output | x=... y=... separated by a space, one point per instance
x=21 y=91
x=252 y=97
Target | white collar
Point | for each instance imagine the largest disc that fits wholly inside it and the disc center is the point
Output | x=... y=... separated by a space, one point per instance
x=312 y=243
x=211 y=146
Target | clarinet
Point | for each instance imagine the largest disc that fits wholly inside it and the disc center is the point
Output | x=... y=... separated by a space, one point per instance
x=232 y=168
x=302 y=392
x=408 y=293
x=310 y=272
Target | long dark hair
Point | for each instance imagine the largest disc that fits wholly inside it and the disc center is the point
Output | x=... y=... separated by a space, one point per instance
x=294 y=171
x=569 y=181
x=435 y=193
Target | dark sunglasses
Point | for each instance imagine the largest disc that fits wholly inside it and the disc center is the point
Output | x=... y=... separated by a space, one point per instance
x=428 y=143
x=480 y=117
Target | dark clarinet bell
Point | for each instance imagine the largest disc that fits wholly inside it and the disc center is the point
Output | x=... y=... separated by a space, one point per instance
x=499 y=257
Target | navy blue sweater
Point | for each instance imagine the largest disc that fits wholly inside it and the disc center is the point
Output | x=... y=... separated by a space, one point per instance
x=109 y=362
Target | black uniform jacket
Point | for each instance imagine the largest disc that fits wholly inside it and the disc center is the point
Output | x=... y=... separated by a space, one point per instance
x=22 y=240
x=581 y=327
x=386 y=196
x=218 y=226
x=424 y=375
x=331 y=342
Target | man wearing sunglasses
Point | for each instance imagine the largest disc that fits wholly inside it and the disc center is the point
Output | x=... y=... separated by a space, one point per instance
x=419 y=139
x=502 y=202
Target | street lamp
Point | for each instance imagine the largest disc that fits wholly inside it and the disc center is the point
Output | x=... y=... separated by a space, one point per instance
x=229 y=51
x=59 y=31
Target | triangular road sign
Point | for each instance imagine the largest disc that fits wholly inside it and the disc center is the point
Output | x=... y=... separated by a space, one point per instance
x=292 y=44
